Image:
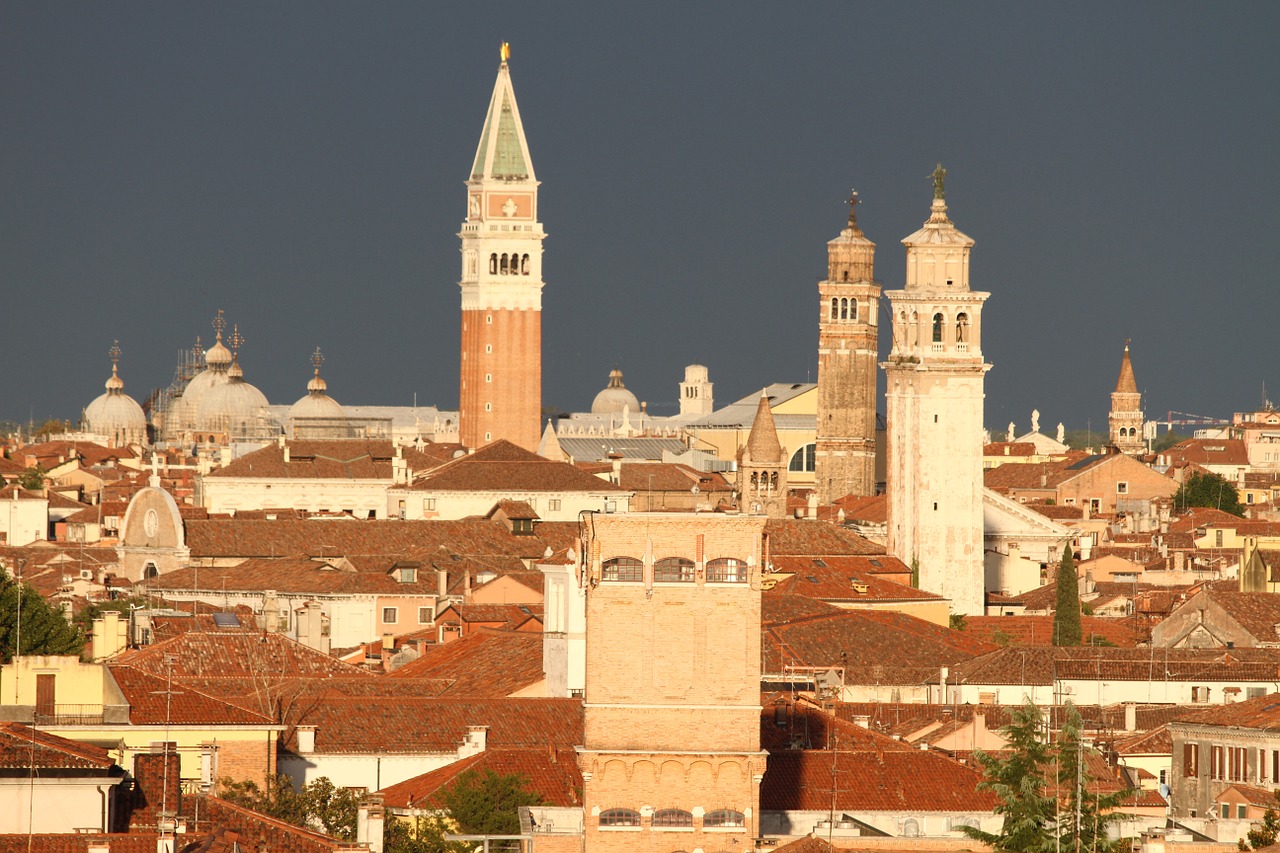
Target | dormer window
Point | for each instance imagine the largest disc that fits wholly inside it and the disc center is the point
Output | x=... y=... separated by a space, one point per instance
x=405 y=572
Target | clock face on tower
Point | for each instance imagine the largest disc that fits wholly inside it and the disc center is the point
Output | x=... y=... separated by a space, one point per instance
x=151 y=522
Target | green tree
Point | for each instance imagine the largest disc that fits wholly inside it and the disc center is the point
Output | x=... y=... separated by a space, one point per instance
x=1169 y=439
x=51 y=427
x=1264 y=834
x=32 y=478
x=43 y=629
x=424 y=834
x=488 y=802
x=1066 y=614
x=1084 y=816
x=319 y=806
x=1208 y=489
x=333 y=810
x=1019 y=779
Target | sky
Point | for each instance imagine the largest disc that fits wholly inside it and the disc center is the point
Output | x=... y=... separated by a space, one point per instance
x=302 y=165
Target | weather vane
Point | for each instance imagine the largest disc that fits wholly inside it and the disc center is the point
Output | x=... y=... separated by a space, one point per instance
x=939 y=179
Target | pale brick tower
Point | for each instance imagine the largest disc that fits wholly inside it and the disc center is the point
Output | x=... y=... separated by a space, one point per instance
x=934 y=395
x=671 y=756
x=762 y=467
x=1125 y=419
x=500 y=394
x=847 y=350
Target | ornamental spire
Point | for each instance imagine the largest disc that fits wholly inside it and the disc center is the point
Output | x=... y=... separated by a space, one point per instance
x=503 y=152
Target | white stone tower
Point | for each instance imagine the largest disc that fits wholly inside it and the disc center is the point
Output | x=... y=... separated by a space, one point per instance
x=1125 y=418
x=934 y=395
x=695 y=391
x=500 y=392
x=848 y=341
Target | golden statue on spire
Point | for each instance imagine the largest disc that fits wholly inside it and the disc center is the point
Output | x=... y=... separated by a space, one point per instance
x=505 y=52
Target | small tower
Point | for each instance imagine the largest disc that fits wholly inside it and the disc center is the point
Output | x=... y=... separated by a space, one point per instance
x=848 y=338
x=695 y=391
x=500 y=389
x=934 y=377
x=1125 y=419
x=762 y=467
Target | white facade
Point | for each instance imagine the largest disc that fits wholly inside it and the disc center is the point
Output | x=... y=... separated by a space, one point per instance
x=564 y=628
x=24 y=517
x=372 y=770
x=418 y=504
x=363 y=498
x=934 y=404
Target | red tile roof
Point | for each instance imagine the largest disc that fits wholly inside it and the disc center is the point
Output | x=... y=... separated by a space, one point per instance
x=1038 y=630
x=350 y=459
x=808 y=538
x=156 y=701
x=1039 y=665
x=504 y=467
x=22 y=747
x=485 y=663
x=235 y=654
x=845 y=578
x=550 y=772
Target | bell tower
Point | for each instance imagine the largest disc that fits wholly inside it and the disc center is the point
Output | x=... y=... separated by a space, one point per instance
x=1125 y=417
x=500 y=392
x=934 y=402
x=848 y=301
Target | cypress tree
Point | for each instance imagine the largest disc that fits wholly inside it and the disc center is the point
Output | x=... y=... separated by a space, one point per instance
x=1066 y=616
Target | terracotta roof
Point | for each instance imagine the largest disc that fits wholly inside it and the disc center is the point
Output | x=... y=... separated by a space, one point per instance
x=1262 y=712
x=1038 y=630
x=350 y=459
x=762 y=440
x=1157 y=741
x=504 y=467
x=872 y=510
x=298 y=575
x=1009 y=448
x=405 y=725
x=1196 y=517
x=803 y=537
x=550 y=772
x=503 y=616
x=865 y=771
x=56 y=452
x=1038 y=665
x=1207 y=451
x=1035 y=475
x=22 y=748
x=221 y=537
x=640 y=477
x=874 y=646
x=485 y=663
x=156 y=701
x=63 y=842
x=845 y=578
x=234 y=653
x=1257 y=612
x=1126 y=383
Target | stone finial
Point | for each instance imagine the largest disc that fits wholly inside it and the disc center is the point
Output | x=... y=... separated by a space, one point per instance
x=939 y=182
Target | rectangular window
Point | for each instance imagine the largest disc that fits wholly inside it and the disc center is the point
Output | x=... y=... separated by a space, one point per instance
x=1241 y=810
x=428 y=504
x=424 y=615
x=1217 y=538
x=553 y=504
x=1262 y=765
x=1095 y=504
x=389 y=615
x=1122 y=488
x=1216 y=770
x=1226 y=810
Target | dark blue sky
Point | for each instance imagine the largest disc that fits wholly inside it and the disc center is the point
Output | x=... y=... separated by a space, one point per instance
x=301 y=166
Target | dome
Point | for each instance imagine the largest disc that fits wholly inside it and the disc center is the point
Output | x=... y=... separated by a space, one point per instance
x=613 y=399
x=232 y=406
x=115 y=414
x=317 y=403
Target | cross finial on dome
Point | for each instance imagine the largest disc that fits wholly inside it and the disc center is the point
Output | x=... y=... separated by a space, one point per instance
x=198 y=349
x=235 y=340
x=219 y=323
x=114 y=354
x=317 y=359
x=853 y=208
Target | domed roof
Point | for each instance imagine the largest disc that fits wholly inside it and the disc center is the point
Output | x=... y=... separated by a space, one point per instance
x=317 y=403
x=234 y=406
x=115 y=414
x=615 y=397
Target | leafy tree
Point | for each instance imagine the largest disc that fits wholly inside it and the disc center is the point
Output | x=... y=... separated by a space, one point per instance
x=318 y=806
x=32 y=478
x=1208 y=489
x=84 y=619
x=51 y=427
x=956 y=622
x=1000 y=638
x=44 y=630
x=425 y=834
x=1066 y=614
x=1084 y=817
x=333 y=809
x=1019 y=780
x=1169 y=439
x=1263 y=834
x=489 y=802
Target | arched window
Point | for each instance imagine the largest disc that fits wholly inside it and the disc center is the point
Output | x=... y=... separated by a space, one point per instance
x=619 y=817
x=910 y=828
x=914 y=336
x=524 y=264
x=672 y=817
x=835 y=308
x=502 y=265
x=673 y=570
x=804 y=459
x=937 y=328
x=773 y=481
x=844 y=309
x=853 y=309
x=493 y=264
x=726 y=570
x=755 y=480
x=150 y=571
x=962 y=328
x=724 y=817
x=623 y=569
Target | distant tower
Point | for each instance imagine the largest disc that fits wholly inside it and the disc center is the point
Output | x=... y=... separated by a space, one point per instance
x=1125 y=419
x=500 y=393
x=934 y=395
x=762 y=467
x=695 y=391
x=847 y=349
